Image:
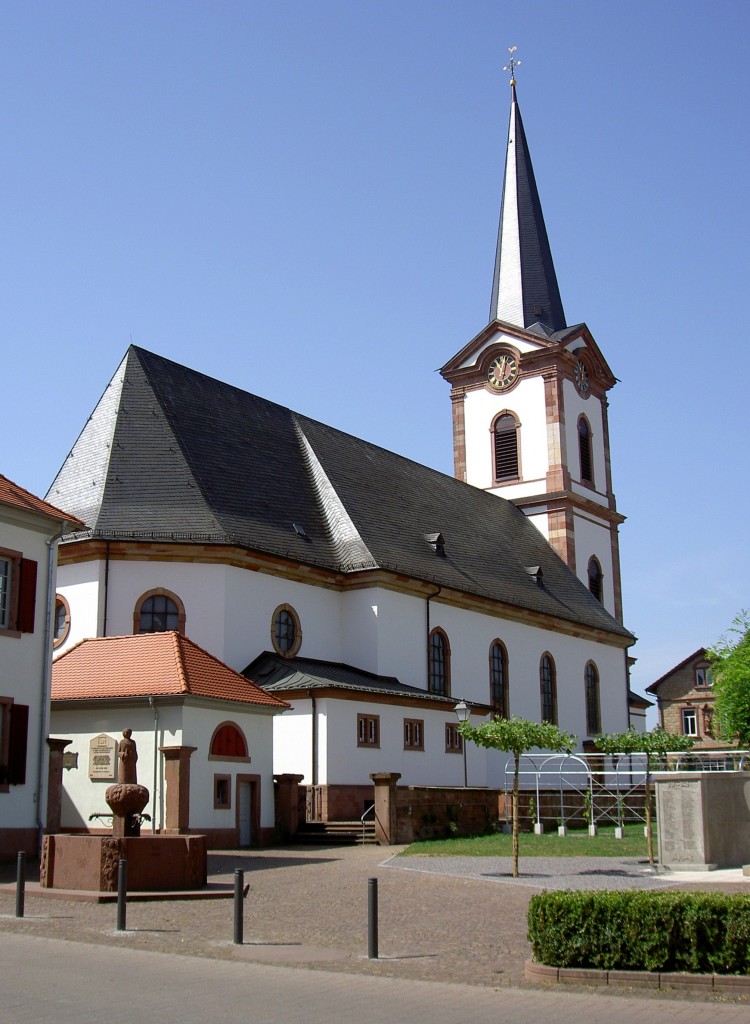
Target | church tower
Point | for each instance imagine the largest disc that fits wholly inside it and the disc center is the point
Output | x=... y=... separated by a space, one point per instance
x=529 y=393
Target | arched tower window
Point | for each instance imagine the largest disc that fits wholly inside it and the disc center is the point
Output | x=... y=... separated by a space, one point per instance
x=439 y=668
x=584 y=450
x=228 y=741
x=596 y=578
x=548 y=689
x=499 y=679
x=593 y=707
x=505 y=433
x=159 y=611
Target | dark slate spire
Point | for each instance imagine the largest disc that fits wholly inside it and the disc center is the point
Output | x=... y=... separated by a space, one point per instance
x=524 y=289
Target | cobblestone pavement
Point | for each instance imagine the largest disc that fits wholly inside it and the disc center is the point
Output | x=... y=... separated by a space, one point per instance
x=460 y=920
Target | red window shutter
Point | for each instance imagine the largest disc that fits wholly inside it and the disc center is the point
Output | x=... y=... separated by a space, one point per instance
x=27 y=596
x=19 y=732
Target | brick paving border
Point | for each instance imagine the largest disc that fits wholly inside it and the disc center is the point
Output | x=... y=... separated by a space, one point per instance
x=735 y=983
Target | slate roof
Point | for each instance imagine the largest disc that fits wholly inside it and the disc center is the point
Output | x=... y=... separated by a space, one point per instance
x=17 y=497
x=279 y=675
x=191 y=459
x=525 y=289
x=150 y=664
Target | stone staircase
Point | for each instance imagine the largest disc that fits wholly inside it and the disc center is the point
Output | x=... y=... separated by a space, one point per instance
x=336 y=833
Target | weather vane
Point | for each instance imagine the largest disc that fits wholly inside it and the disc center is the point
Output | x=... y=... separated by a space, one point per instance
x=512 y=64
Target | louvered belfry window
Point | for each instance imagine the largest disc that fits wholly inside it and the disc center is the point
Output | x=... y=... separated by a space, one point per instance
x=506 y=448
x=595 y=578
x=584 y=448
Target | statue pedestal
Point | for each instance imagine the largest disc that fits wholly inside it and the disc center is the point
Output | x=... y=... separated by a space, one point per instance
x=155 y=863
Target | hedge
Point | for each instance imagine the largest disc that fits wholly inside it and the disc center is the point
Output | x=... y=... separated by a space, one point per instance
x=694 y=932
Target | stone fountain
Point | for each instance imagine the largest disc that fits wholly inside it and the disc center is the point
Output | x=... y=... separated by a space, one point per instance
x=156 y=863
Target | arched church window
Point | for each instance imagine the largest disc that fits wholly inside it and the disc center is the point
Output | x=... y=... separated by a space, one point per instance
x=499 y=679
x=159 y=611
x=439 y=663
x=286 y=633
x=228 y=741
x=548 y=689
x=593 y=707
x=596 y=578
x=584 y=450
x=505 y=447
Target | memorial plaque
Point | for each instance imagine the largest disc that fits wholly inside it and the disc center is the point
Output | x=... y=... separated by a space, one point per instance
x=103 y=757
x=70 y=759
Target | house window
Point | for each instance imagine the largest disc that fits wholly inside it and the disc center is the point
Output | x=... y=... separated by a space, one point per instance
x=595 y=578
x=222 y=792
x=439 y=664
x=14 y=731
x=548 y=689
x=62 y=620
x=703 y=676
x=499 y=679
x=689 y=722
x=454 y=741
x=593 y=708
x=505 y=447
x=368 y=730
x=584 y=450
x=413 y=734
x=159 y=611
x=228 y=742
x=285 y=631
x=17 y=592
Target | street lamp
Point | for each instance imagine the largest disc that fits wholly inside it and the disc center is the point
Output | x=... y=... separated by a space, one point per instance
x=463 y=711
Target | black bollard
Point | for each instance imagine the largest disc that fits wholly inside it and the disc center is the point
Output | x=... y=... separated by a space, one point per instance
x=239 y=878
x=20 y=883
x=122 y=893
x=372 y=918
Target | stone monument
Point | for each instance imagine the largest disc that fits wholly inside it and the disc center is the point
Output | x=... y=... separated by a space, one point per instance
x=156 y=863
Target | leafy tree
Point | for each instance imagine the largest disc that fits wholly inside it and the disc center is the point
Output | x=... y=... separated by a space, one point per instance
x=517 y=736
x=730 y=661
x=655 y=745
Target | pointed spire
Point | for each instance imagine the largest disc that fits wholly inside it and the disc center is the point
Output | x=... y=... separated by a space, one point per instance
x=524 y=289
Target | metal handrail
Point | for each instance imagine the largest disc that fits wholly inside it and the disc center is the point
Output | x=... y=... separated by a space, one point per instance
x=362 y=819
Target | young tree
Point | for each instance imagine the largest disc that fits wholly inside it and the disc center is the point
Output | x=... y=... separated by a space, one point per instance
x=654 y=745
x=517 y=736
x=730 y=661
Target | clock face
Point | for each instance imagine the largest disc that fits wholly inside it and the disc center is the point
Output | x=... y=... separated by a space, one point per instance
x=581 y=377
x=503 y=371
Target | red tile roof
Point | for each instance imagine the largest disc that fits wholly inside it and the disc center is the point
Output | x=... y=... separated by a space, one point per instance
x=12 y=494
x=150 y=664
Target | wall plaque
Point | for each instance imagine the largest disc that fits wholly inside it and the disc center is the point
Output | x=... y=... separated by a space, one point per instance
x=103 y=757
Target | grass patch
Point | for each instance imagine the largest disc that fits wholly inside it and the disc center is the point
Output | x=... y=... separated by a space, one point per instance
x=550 y=844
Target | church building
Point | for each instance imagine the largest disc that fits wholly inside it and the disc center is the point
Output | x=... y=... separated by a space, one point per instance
x=367 y=591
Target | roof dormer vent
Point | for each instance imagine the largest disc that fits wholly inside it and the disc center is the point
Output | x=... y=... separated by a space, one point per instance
x=536 y=574
x=300 y=531
x=436 y=542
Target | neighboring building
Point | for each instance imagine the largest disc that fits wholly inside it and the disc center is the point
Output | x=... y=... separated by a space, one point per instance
x=368 y=590
x=203 y=734
x=685 y=700
x=29 y=529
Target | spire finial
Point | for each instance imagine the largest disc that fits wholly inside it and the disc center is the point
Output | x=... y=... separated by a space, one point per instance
x=512 y=64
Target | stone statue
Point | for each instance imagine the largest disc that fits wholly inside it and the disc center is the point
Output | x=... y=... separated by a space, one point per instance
x=127 y=799
x=127 y=754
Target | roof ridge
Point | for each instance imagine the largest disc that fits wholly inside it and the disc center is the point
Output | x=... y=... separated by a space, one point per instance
x=182 y=670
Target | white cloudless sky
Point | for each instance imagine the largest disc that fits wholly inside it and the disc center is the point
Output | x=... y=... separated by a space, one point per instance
x=301 y=198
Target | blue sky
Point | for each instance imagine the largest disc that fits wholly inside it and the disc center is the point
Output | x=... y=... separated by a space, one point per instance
x=302 y=199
